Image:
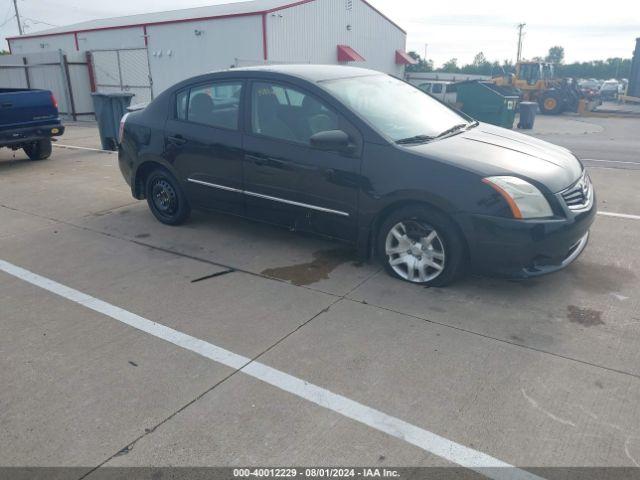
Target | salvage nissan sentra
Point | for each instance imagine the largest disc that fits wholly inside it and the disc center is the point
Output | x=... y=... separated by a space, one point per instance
x=363 y=157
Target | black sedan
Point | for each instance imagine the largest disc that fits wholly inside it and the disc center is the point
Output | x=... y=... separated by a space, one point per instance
x=363 y=157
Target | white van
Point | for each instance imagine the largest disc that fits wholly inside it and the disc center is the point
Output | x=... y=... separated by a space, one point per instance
x=443 y=91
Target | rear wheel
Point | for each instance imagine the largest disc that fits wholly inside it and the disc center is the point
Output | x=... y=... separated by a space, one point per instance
x=165 y=198
x=39 y=150
x=421 y=245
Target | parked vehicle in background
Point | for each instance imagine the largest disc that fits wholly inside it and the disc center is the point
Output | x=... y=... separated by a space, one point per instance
x=366 y=158
x=28 y=121
x=443 y=91
x=609 y=90
x=590 y=88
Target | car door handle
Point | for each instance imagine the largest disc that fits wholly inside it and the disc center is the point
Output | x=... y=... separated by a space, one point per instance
x=257 y=159
x=177 y=140
x=329 y=173
x=6 y=105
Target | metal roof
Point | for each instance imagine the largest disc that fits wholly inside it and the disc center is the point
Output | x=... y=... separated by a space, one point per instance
x=253 y=7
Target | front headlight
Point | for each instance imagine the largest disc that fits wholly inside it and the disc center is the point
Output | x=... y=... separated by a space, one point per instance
x=525 y=200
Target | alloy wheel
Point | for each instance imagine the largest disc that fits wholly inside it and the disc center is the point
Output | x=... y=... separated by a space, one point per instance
x=415 y=251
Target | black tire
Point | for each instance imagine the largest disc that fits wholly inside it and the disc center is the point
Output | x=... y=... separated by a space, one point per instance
x=551 y=104
x=165 y=198
x=422 y=220
x=39 y=150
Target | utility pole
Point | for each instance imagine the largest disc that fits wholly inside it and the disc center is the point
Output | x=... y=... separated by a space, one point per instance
x=15 y=6
x=520 y=35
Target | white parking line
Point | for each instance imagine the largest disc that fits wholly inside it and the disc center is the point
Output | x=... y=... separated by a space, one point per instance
x=620 y=215
x=610 y=161
x=424 y=439
x=74 y=147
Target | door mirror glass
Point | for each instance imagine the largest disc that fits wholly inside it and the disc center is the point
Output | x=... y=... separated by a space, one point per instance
x=332 y=140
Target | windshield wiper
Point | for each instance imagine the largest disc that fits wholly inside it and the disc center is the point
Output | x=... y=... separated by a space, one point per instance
x=414 y=139
x=453 y=129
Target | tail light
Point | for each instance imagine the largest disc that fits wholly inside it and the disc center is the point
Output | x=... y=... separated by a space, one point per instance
x=121 y=130
x=54 y=102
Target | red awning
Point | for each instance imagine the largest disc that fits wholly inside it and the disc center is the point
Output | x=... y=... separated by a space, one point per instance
x=348 y=54
x=403 y=58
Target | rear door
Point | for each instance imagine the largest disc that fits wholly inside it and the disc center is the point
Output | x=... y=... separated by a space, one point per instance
x=286 y=180
x=203 y=142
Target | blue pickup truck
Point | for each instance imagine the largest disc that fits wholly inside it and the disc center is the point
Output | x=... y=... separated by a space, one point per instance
x=28 y=120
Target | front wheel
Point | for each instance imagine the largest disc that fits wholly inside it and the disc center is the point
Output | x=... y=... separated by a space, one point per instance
x=550 y=104
x=39 y=150
x=165 y=198
x=421 y=245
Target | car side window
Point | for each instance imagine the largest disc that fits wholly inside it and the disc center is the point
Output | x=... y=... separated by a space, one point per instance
x=182 y=100
x=288 y=114
x=213 y=104
x=437 y=88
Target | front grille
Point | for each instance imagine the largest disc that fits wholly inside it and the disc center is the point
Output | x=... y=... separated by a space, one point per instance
x=579 y=196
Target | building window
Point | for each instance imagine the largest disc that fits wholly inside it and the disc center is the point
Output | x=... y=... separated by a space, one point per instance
x=287 y=114
x=213 y=104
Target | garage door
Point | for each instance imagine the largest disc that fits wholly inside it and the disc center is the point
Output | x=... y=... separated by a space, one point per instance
x=124 y=70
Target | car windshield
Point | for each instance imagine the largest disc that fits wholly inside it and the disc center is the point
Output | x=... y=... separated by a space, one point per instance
x=396 y=109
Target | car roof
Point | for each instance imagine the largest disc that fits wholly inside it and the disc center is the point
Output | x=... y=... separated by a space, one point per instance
x=312 y=73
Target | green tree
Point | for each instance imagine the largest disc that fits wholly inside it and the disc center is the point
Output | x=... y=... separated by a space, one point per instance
x=451 y=66
x=555 y=55
x=4 y=52
x=423 y=65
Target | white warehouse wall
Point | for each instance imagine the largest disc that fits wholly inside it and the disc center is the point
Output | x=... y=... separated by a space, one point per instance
x=176 y=52
x=111 y=39
x=311 y=32
x=64 y=42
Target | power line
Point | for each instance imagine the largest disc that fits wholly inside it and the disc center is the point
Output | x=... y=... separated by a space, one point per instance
x=34 y=20
x=7 y=20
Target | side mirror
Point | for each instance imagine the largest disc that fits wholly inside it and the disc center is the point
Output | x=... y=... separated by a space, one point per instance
x=332 y=141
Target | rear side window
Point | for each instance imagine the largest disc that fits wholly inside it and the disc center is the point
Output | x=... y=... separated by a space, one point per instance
x=182 y=100
x=214 y=104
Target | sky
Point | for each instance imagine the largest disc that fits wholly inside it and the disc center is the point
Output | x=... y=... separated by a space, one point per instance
x=587 y=30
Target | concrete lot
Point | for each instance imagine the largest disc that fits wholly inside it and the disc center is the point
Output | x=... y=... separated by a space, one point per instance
x=540 y=373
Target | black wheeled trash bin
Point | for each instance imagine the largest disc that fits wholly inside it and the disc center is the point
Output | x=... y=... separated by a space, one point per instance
x=528 y=112
x=110 y=108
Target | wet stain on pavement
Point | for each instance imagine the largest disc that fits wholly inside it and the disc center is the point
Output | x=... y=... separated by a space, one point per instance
x=324 y=262
x=143 y=235
x=584 y=316
x=598 y=278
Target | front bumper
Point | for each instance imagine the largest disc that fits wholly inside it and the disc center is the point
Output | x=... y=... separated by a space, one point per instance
x=526 y=248
x=21 y=136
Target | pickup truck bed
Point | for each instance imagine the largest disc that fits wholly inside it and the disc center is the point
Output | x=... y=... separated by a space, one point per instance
x=28 y=120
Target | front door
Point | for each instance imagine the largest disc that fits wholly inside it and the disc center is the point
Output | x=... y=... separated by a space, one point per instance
x=286 y=180
x=203 y=142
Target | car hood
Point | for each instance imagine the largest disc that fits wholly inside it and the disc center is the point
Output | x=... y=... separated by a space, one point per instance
x=490 y=150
